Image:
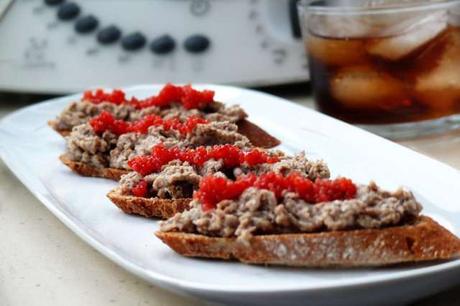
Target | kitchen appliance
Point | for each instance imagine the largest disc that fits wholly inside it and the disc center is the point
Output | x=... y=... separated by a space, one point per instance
x=58 y=46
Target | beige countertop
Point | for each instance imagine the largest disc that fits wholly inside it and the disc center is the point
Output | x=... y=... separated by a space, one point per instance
x=43 y=263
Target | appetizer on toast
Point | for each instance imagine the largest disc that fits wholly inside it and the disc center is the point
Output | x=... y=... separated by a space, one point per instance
x=103 y=146
x=163 y=183
x=179 y=102
x=275 y=219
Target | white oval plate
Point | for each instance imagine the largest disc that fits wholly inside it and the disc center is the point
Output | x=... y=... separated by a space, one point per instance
x=30 y=149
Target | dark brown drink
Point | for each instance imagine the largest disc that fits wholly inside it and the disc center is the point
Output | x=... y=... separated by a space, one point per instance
x=388 y=79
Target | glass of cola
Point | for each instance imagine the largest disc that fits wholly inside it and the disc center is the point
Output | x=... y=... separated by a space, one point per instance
x=392 y=67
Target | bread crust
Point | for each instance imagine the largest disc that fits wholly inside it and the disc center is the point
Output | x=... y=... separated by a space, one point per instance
x=424 y=240
x=148 y=207
x=88 y=170
x=53 y=125
x=256 y=135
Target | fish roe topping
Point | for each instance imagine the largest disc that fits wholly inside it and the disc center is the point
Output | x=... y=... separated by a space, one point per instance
x=232 y=156
x=215 y=189
x=107 y=122
x=189 y=98
x=98 y=96
x=141 y=189
x=192 y=98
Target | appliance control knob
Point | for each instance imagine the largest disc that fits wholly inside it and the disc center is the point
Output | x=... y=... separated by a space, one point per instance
x=86 y=24
x=108 y=35
x=53 y=2
x=133 y=41
x=163 y=45
x=196 y=43
x=68 y=11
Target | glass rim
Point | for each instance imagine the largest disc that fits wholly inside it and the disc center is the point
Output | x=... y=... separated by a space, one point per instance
x=363 y=10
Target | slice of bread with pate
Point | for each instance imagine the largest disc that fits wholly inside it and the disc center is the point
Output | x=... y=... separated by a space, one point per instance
x=103 y=146
x=172 y=101
x=273 y=219
x=171 y=175
x=256 y=135
x=421 y=240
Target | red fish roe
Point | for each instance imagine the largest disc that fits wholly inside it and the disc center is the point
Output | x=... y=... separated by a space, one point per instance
x=231 y=156
x=189 y=98
x=170 y=93
x=255 y=157
x=98 y=96
x=192 y=98
x=106 y=122
x=145 y=164
x=141 y=189
x=142 y=125
x=167 y=95
x=136 y=103
x=215 y=189
x=185 y=127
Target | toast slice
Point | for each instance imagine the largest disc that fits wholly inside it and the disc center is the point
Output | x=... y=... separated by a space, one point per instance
x=88 y=170
x=53 y=125
x=423 y=240
x=256 y=135
x=151 y=207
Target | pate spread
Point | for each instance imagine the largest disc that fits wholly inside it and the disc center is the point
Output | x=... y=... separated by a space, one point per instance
x=105 y=148
x=180 y=171
x=260 y=210
x=172 y=102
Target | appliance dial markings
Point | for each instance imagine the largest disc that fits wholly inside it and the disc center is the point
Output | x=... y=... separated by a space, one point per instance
x=279 y=54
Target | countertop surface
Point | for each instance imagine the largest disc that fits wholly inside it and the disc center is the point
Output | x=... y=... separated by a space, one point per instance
x=43 y=263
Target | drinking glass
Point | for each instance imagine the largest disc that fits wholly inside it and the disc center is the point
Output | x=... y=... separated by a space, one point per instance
x=392 y=67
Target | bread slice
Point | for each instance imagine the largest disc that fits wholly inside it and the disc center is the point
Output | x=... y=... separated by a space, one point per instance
x=424 y=240
x=88 y=170
x=148 y=207
x=53 y=125
x=257 y=136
